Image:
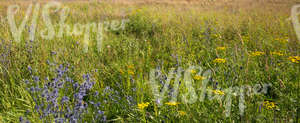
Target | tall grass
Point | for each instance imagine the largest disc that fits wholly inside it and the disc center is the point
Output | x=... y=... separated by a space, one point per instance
x=161 y=35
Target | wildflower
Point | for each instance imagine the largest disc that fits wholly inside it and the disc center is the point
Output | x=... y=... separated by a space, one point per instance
x=219 y=60
x=29 y=69
x=121 y=71
x=257 y=53
x=277 y=53
x=193 y=71
x=65 y=99
x=294 y=59
x=59 y=120
x=181 y=113
x=130 y=72
x=269 y=105
x=130 y=66
x=21 y=119
x=36 y=78
x=198 y=77
x=282 y=40
x=100 y=112
x=96 y=93
x=218 y=92
x=221 y=48
x=141 y=106
x=172 y=103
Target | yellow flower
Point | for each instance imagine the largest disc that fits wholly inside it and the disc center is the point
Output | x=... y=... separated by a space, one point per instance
x=121 y=71
x=198 y=77
x=269 y=105
x=277 y=53
x=218 y=92
x=219 y=60
x=141 y=106
x=181 y=113
x=130 y=66
x=172 y=103
x=130 y=72
x=294 y=59
x=257 y=53
x=221 y=48
x=282 y=40
x=193 y=71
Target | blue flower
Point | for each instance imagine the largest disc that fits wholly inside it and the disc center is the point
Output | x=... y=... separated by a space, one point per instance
x=21 y=119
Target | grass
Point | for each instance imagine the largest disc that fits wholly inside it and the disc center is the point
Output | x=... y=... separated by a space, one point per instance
x=252 y=40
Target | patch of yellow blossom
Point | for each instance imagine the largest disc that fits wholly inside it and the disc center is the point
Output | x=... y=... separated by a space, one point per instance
x=277 y=53
x=283 y=40
x=294 y=59
x=181 y=113
x=218 y=92
x=141 y=106
x=269 y=105
x=198 y=77
x=219 y=60
x=130 y=72
x=130 y=66
x=121 y=71
x=172 y=103
x=193 y=71
x=257 y=53
x=221 y=48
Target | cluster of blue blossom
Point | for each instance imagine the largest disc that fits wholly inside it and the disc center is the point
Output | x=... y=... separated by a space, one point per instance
x=5 y=51
x=64 y=99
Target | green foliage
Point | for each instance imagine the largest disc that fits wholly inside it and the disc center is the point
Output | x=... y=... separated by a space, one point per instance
x=154 y=39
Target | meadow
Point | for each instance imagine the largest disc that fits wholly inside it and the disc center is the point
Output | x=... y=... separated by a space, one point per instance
x=244 y=44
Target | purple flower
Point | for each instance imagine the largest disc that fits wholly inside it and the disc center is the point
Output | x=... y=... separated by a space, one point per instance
x=32 y=89
x=21 y=119
x=96 y=93
x=30 y=69
x=27 y=82
x=59 y=120
x=36 y=78
x=100 y=112
x=65 y=99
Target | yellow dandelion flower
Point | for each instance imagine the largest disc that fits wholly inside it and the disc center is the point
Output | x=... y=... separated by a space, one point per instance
x=172 y=103
x=121 y=71
x=130 y=72
x=282 y=40
x=277 y=53
x=221 y=48
x=294 y=59
x=193 y=71
x=141 y=106
x=181 y=113
x=130 y=66
x=219 y=60
x=198 y=77
x=218 y=92
x=269 y=105
x=257 y=53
